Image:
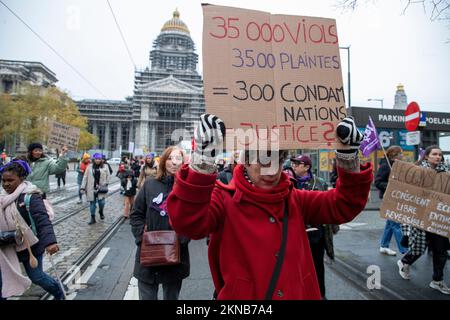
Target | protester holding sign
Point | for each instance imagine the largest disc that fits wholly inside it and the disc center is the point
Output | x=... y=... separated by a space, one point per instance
x=381 y=181
x=245 y=218
x=418 y=239
x=42 y=166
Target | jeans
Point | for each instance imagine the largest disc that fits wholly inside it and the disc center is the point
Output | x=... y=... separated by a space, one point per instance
x=42 y=279
x=80 y=195
x=318 y=251
x=93 y=206
x=392 y=228
x=171 y=290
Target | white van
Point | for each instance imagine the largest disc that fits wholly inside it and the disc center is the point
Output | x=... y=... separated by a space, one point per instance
x=114 y=161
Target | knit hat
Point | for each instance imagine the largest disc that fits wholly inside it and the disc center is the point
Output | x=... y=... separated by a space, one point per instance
x=85 y=156
x=97 y=156
x=35 y=145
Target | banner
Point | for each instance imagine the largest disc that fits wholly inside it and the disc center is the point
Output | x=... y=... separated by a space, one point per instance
x=370 y=142
x=63 y=135
x=278 y=77
x=419 y=197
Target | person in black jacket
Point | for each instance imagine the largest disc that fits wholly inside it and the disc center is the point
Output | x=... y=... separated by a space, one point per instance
x=129 y=184
x=150 y=211
x=393 y=153
x=33 y=212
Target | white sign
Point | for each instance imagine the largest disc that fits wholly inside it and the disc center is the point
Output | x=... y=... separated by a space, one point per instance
x=412 y=138
x=131 y=147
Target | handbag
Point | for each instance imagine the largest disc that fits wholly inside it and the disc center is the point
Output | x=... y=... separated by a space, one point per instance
x=8 y=237
x=103 y=189
x=159 y=248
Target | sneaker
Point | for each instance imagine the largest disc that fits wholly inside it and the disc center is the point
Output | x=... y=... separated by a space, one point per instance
x=441 y=286
x=388 y=251
x=80 y=201
x=403 y=270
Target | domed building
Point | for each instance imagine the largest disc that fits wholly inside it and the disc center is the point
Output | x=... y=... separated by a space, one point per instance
x=168 y=95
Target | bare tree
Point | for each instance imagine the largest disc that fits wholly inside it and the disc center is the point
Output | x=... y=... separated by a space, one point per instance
x=435 y=9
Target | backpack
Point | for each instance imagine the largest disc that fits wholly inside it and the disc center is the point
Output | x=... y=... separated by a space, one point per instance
x=48 y=208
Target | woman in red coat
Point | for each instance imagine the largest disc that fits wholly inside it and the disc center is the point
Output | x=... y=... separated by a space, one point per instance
x=245 y=218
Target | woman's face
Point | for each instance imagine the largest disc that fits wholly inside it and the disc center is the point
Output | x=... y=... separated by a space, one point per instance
x=10 y=181
x=148 y=160
x=98 y=161
x=174 y=162
x=435 y=157
x=264 y=177
x=36 y=153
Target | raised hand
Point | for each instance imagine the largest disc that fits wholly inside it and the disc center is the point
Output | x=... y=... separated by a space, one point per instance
x=208 y=136
x=348 y=134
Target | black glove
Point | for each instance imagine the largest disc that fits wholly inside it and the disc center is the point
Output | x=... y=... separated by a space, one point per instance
x=208 y=136
x=348 y=134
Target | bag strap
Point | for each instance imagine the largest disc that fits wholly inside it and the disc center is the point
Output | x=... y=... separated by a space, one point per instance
x=27 y=206
x=280 y=258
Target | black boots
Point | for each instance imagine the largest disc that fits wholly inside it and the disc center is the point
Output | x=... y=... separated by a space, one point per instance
x=92 y=220
x=100 y=211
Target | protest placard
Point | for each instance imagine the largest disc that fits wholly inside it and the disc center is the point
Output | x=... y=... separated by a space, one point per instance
x=419 y=197
x=279 y=75
x=63 y=135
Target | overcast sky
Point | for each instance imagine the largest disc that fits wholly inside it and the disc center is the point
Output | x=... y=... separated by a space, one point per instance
x=387 y=48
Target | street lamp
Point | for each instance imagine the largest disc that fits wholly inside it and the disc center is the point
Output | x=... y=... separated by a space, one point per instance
x=348 y=73
x=381 y=100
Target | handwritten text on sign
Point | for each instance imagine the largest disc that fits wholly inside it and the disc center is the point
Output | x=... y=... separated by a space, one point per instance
x=63 y=135
x=419 y=197
x=276 y=74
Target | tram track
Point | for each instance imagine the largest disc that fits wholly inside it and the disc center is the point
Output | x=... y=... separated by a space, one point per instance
x=70 y=278
x=78 y=210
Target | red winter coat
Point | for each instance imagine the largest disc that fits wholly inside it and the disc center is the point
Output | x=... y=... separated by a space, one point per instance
x=245 y=223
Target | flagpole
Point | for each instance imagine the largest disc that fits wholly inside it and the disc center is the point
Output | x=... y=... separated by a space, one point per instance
x=385 y=155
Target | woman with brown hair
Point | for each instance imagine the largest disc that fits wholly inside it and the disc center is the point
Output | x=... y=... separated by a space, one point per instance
x=418 y=239
x=147 y=170
x=150 y=211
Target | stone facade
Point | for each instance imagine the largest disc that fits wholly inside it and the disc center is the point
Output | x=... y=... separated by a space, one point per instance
x=14 y=74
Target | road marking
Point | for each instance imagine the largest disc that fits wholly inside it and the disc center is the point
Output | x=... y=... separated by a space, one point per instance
x=81 y=281
x=351 y=225
x=58 y=258
x=132 y=291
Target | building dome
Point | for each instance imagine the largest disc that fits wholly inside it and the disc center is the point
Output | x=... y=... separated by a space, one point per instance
x=175 y=24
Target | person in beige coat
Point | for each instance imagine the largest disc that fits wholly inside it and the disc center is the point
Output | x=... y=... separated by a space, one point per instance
x=95 y=185
x=147 y=170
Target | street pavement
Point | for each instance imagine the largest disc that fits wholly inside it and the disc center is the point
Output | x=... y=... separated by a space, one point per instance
x=357 y=249
x=109 y=273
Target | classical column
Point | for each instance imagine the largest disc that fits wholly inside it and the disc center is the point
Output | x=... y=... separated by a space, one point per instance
x=107 y=137
x=119 y=135
x=95 y=132
x=143 y=129
x=153 y=137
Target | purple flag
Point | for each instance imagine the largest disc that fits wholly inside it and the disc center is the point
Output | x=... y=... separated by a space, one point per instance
x=370 y=142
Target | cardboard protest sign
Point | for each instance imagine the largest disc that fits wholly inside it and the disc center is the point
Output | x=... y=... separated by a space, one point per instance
x=419 y=197
x=279 y=75
x=63 y=135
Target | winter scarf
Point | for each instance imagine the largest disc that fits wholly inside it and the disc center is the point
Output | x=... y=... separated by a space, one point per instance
x=13 y=282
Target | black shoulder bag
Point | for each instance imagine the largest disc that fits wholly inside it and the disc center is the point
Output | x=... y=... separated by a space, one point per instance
x=280 y=258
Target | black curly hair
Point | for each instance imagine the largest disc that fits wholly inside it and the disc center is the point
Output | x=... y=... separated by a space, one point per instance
x=16 y=168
